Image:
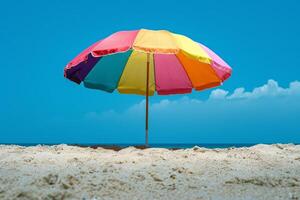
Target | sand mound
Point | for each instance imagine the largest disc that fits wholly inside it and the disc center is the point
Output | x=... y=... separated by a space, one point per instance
x=69 y=172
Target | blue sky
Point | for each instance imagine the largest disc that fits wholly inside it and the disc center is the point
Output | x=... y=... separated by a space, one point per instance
x=259 y=39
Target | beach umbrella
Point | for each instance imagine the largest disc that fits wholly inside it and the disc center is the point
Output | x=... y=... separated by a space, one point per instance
x=145 y=62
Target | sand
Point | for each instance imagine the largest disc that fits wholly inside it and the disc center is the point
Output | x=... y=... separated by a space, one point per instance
x=69 y=172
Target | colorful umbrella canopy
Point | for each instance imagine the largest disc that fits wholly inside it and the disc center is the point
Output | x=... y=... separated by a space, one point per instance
x=146 y=61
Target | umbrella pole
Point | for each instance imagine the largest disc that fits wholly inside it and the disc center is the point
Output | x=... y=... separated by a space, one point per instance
x=147 y=96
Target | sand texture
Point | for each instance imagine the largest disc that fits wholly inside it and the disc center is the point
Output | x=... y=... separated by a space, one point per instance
x=69 y=172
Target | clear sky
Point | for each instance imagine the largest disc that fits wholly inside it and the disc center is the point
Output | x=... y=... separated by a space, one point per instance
x=259 y=39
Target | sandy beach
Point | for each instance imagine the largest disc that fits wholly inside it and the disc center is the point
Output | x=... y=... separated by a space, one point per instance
x=69 y=172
